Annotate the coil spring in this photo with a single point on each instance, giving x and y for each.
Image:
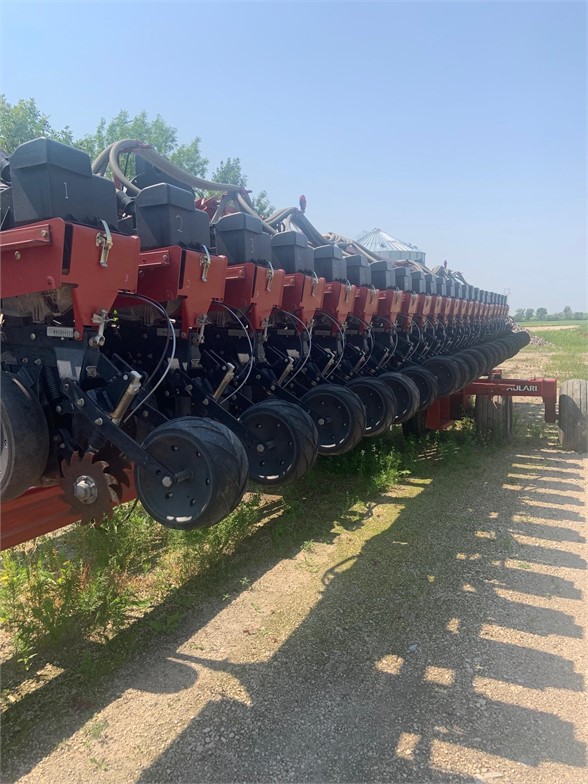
(51, 383)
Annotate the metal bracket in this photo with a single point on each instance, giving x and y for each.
(104, 241)
(205, 263)
(102, 320)
(314, 284)
(269, 276)
(347, 290)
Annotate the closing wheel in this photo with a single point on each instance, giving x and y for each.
(339, 416)
(283, 442)
(493, 417)
(573, 415)
(379, 402)
(212, 465)
(415, 427)
(426, 383)
(406, 393)
(24, 442)
(447, 372)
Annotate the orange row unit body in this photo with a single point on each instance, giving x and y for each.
(255, 291)
(367, 300)
(303, 295)
(46, 256)
(194, 279)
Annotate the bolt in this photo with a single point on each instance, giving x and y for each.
(25, 360)
(145, 414)
(205, 401)
(167, 481)
(99, 421)
(33, 336)
(85, 489)
(59, 410)
(76, 335)
(260, 448)
(38, 362)
(125, 377)
(80, 402)
(65, 387)
(17, 254)
(44, 232)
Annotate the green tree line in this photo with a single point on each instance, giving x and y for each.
(541, 314)
(23, 120)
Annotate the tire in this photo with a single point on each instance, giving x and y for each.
(447, 372)
(379, 402)
(339, 416)
(415, 426)
(218, 481)
(24, 445)
(573, 415)
(426, 384)
(406, 393)
(471, 366)
(493, 417)
(290, 440)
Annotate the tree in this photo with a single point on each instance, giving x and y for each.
(541, 314)
(230, 171)
(568, 312)
(23, 121)
(529, 313)
(519, 315)
(156, 132)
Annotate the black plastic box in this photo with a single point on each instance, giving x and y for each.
(329, 263)
(291, 252)
(165, 215)
(6, 210)
(240, 237)
(383, 274)
(358, 270)
(429, 283)
(101, 204)
(440, 286)
(50, 180)
(418, 282)
(403, 278)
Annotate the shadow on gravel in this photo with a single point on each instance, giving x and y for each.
(386, 673)
(385, 676)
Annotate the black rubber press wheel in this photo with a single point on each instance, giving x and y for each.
(213, 467)
(406, 393)
(24, 438)
(426, 383)
(379, 402)
(339, 416)
(283, 442)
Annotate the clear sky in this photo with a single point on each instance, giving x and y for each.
(459, 127)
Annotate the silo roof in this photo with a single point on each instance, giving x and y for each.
(377, 241)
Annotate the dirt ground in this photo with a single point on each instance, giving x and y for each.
(439, 639)
(550, 327)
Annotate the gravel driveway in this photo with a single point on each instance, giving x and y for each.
(439, 636)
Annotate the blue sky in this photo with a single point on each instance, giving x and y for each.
(459, 127)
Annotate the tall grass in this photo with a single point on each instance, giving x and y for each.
(567, 350)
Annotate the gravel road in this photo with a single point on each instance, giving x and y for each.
(439, 639)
